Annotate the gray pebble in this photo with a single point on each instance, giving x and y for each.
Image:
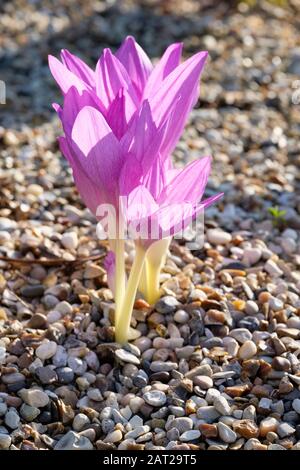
(73, 441)
(155, 398)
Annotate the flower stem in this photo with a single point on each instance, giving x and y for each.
(120, 277)
(155, 259)
(123, 323)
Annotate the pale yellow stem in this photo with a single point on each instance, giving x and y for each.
(123, 323)
(155, 259)
(120, 277)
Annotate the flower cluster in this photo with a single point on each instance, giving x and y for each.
(121, 123)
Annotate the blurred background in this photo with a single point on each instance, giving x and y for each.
(248, 116)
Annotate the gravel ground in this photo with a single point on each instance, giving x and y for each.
(215, 364)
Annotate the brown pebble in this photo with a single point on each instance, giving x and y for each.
(264, 297)
(141, 304)
(214, 317)
(268, 425)
(246, 428)
(208, 430)
(37, 321)
(281, 363)
(238, 390)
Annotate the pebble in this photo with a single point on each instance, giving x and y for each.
(183, 424)
(125, 356)
(275, 304)
(225, 433)
(70, 240)
(296, 405)
(285, 430)
(34, 397)
(12, 419)
(203, 381)
(281, 363)
(208, 413)
(268, 425)
(5, 441)
(189, 436)
(80, 421)
(272, 269)
(60, 357)
(65, 375)
(155, 398)
(29, 413)
(218, 237)
(77, 365)
(114, 436)
(73, 441)
(247, 350)
(241, 335)
(181, 316)
(251, 256)
(167, 304)
(251, 307)
(3, 408)
(46, 350)
(222, 406)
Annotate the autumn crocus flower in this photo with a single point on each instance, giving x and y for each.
(121, 122)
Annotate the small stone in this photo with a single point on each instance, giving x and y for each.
(203, 381)
(225, 433)
(208, 413)
(69, 240)
(155, 398)
(241, 335)
(77, 365)
(60, 357)
(46, 375)
(34, 397)
(12, 419)
(275, 304)
(64, 308)
(92, 271)
(246, 428)
(218, 237)
(247, 350)
(5, 441)
(167, 304)
(73, 441)
(126, 356)
(209, 430)
(140, 379)
(296, 405)
(46, 350)
(222, 406)
(3, 408)
(268, 425)
(181, 316)
(189, 436)
(38, 320)
(29, 413)
(281, 363)
(272, 268)
(80, 421)
(32, 291)
(95, 394)
(251, 307)
(183, 424)
(115, 436)
(285, 430)
(251, 256)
